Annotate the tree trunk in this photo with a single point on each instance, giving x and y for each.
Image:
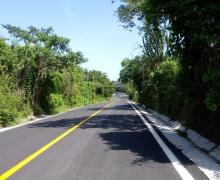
(34, 100)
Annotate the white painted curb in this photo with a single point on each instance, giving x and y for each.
(215, 153)
(197, 139)
(179, 167)
(203, 161)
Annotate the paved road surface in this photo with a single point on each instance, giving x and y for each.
(112, 145)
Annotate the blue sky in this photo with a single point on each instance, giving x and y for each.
(91, 25)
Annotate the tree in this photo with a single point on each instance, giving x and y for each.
(188, 31)
(42, 52)
(40, 73)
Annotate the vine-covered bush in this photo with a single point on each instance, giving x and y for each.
(186, 30)
(42, 74)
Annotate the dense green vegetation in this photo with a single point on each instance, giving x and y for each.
(179, 71)
(40, 73)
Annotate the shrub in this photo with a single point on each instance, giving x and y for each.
(211, 78)
(55, 102)
(7, 117)
(165, 81)
(8, 112)
(12, 104)
(131, 91)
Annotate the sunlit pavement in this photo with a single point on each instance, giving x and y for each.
(112, 144)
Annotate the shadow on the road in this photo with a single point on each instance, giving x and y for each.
(125, 107)
(139, 143)
(114, 122)
(61, 123)
(127, 132)
(121, 130)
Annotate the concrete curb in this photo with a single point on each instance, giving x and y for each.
(203, 160)
(198, 140)
(215, 153)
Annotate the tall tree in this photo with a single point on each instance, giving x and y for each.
(187, 30)
(42, 52)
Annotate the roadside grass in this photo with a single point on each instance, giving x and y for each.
(22, 119)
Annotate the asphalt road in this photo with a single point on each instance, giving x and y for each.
(114, 144)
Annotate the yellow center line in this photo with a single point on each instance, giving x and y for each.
(24, 162)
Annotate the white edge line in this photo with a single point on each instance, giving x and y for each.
(184, 174)
(209, 173)
(40, 119)
(36, 120)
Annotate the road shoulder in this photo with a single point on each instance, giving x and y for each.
(204, 162)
